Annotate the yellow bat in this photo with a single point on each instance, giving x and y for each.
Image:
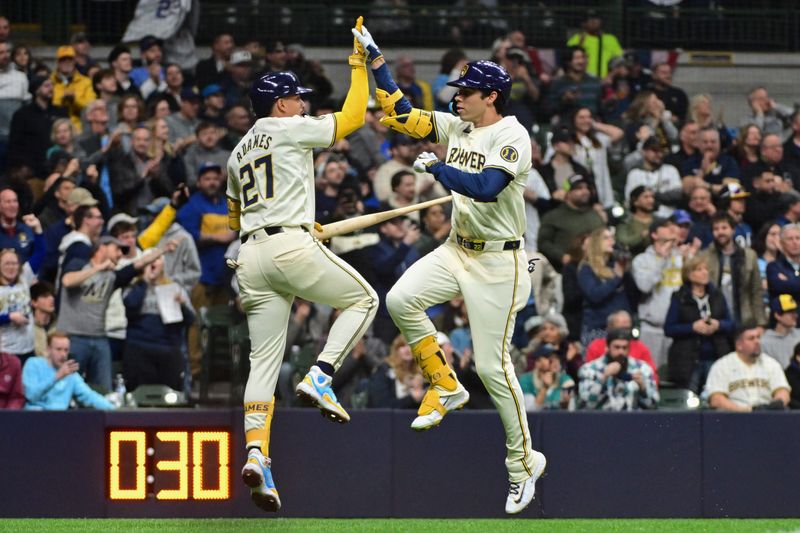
(364, 221)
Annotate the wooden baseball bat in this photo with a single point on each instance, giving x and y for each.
(352, 224)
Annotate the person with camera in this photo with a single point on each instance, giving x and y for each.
(699, 322)
(602, 277)
(616, 381)
(746, 379)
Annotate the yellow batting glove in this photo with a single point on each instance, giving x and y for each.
(318, 227)
(359, 57)
(418, 123)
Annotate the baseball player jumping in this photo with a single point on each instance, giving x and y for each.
(271, 201)
(486, 168)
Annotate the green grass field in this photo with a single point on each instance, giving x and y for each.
(312, 525)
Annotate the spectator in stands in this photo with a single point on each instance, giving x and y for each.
(86, 288)
(404, 193)
(121, 62)
(182, 124)
(699, 323)
(771, 158)
(545, 386)
(398, 382)
(734, 270)
(646, 117)
(416, 90)
(525, 91)
(63, 137)
(562, 225)
(709, 164)
(793, 378)
(591, 150)
(151, 53)
(82, 47)
(791, 148)
(13, 93)
(392, 256)
(701, 209)
(204, 150)
(436, 228)
(77, 244)
(130, 114)
(783, 274)
(161, 148)
(766, 203)
(71, 89)
(575, 89)
(790, 208)
(745, 150)
(701, 111)
(169, 89)
(12, 393)
(767, 244)
(449, 69)
(747, 379)
(688, 144)
(602, 277)
(663, 179)
(572, 306)
(365, 144)
(769, 116)
(599, 47)
(153, 353)
(236, 85)
(404, 151)
(780, 340)
(51, 382)
(637, 349)
(22, 234)
(136, 177)
(205, 217)
(213, 69)
(213, 105)
(617, 381)
(634, 232)
(239, 121)
(310, 72)
(561, 165)
(328, 185)
(183, 265)
(29, 134)
(732, 201)
(69, 198)
(674, 98)
(23, 61)
(16, 322)
(43, 307)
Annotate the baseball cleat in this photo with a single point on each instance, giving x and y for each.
(257, 475)
(520, 494)
(316, 389)
(434, 407)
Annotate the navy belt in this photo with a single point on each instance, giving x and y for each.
(269, 231)
(480, 246)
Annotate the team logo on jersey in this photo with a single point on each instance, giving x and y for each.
(509, 153)
(464, 70)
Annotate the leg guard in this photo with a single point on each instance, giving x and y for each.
(257, 423)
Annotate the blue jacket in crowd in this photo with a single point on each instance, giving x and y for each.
(207, 215)
(44, 392)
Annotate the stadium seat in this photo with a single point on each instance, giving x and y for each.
(225, 343)
(678, 400)
(159, 396)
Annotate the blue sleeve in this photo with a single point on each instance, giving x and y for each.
(595, 290)
(36, 382)
(79, 251)
(780, 286)
(384, 80)
(385, 257)
(124, 276)
(673, 328)
(134, 299)
(483, 186)
(86, 396)
(187, 217)
(39, 249)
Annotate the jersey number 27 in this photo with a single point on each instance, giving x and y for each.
(247, 174)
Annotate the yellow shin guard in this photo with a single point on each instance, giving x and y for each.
(430, 358)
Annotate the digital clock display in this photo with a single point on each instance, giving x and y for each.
(168, 464)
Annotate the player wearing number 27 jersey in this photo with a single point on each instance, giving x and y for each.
(486, 167)
(271, 202)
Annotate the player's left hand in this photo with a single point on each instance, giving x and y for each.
(368, 43)
(424, 161)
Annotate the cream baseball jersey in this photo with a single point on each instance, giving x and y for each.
(504, 145)
(271, 170)
(746, 384)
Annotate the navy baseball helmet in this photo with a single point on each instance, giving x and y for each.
(272, 86)
(484, 75)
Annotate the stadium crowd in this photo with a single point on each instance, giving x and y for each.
(665, 244)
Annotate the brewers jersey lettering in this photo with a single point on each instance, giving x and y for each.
(492, 276)
(504, 145)
(746, 384)
(271, 170)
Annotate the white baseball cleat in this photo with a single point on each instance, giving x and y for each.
(520, 494)
(434, 407)
(257, 475)
(316, 389)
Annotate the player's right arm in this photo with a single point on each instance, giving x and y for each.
(354, 109)
(232, 197)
